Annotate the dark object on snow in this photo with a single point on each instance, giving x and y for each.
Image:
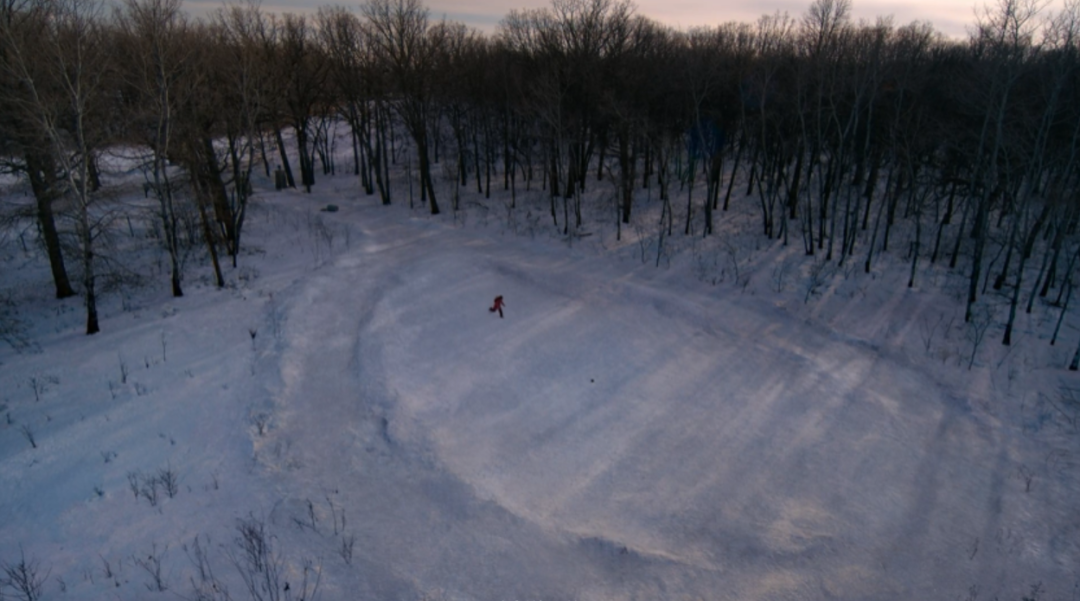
(280, 181)
(331, 208)
(498, 306)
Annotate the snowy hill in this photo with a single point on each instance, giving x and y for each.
(627, 431)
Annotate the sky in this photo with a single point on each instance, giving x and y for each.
(951, 17)
(948, 16)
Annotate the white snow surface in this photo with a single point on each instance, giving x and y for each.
(627, 431)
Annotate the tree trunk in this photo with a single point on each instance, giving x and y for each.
(627, 162)
(86, 238)
(734, 170)
(307, 161)
(284, 158)
(427, 188)
(981, 215)
(42, 172)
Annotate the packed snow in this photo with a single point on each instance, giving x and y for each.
(721, 423)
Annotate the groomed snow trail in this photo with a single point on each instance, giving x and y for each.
(614, 439)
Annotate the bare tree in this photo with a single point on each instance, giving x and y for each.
(244, 45)
(157, 55)
(1059, 67)
(303, 67)
(1004, 34)
(20, 23)
(357, 85)
(405, 45)
(25, 578)
(63, 72)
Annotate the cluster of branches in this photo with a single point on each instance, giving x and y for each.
(838, 129)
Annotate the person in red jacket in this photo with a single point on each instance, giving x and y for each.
(498, 306)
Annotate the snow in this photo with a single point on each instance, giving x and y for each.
(626, 432)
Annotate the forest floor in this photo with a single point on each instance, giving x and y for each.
(731, 421)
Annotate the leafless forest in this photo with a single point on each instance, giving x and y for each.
(850, 139)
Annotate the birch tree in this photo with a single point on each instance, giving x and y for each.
(63, 72)
(21, 23)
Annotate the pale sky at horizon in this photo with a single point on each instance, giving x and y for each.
(950, 17)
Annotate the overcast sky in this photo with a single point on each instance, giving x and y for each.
(948, 16)
(951, 17)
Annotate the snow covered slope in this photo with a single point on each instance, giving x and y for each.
(625, 432)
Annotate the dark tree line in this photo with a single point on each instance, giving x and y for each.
(835, 131)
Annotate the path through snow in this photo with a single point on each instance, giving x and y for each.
(616, 439)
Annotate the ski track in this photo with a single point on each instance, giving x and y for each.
(615, 437)
(613, 440)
